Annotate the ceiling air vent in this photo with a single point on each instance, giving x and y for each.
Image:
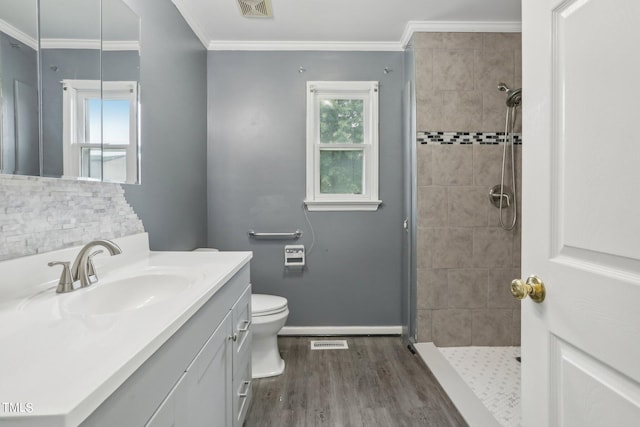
(255, 8)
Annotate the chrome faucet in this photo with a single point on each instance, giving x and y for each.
(83, 268)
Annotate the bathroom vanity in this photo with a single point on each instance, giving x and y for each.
(162, 339)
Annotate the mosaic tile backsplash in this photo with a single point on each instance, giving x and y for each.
(43, 214)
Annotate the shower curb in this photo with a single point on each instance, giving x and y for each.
(467, 403)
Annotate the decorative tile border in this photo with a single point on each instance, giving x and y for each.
(43, 214)
(464, 138)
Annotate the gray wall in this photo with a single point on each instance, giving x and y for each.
(256, 179)
(85, 64)
(171, 200)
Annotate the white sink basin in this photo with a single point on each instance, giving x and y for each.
(127, 293)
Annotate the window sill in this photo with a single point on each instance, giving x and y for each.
(342, 205)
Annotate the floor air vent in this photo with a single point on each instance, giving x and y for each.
(255, 8)
(329, 345)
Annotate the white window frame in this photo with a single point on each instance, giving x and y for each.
(74, 94)
(368, 92)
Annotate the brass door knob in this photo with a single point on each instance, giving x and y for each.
(534, 287)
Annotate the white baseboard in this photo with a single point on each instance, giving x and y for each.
(340, 330)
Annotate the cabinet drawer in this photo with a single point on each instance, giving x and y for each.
(242, 360)
(242, 324)
(242, 395)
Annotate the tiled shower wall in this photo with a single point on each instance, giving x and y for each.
(465, 260)
(44, 214)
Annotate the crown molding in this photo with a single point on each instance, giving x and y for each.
(458, 27)
(304, 46)
(189, 17)
(113, 45)
(19, 35)
(70, 43)
(90, 44)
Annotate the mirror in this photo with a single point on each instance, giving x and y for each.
(70, 54)
(89, 91)
(19, 129)
(120, 92)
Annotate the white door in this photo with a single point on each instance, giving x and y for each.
(581, 221)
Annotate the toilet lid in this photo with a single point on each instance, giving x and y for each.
(263, 305)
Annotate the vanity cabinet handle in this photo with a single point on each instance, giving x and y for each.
(233, 337)
(245, 393)
(246, 327)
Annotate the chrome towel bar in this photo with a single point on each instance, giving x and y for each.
(275, 236)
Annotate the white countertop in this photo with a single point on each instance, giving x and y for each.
(59, 366)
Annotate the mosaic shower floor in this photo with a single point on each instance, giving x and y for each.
(493, 373)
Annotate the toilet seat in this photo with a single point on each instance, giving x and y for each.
(266, 305)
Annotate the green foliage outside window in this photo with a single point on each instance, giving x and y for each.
(341, 172)
(341, 121)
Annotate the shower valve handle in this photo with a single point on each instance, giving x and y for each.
(505, 196)
(495, 195)
(533, 287)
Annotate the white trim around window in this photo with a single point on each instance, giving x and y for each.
(364, 193)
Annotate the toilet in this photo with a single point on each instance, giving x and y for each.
(268, 315)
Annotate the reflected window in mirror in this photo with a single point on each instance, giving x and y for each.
(120, 132)
(100, 133)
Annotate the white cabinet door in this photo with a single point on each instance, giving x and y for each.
(209, 381)
(581, 220)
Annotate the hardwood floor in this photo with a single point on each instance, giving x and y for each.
(376, 382)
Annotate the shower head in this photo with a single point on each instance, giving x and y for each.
(514, 96)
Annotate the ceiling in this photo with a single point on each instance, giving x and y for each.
(296, 24)
(368, 24)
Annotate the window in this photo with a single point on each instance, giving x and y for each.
(342, 146)
(100, 132)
